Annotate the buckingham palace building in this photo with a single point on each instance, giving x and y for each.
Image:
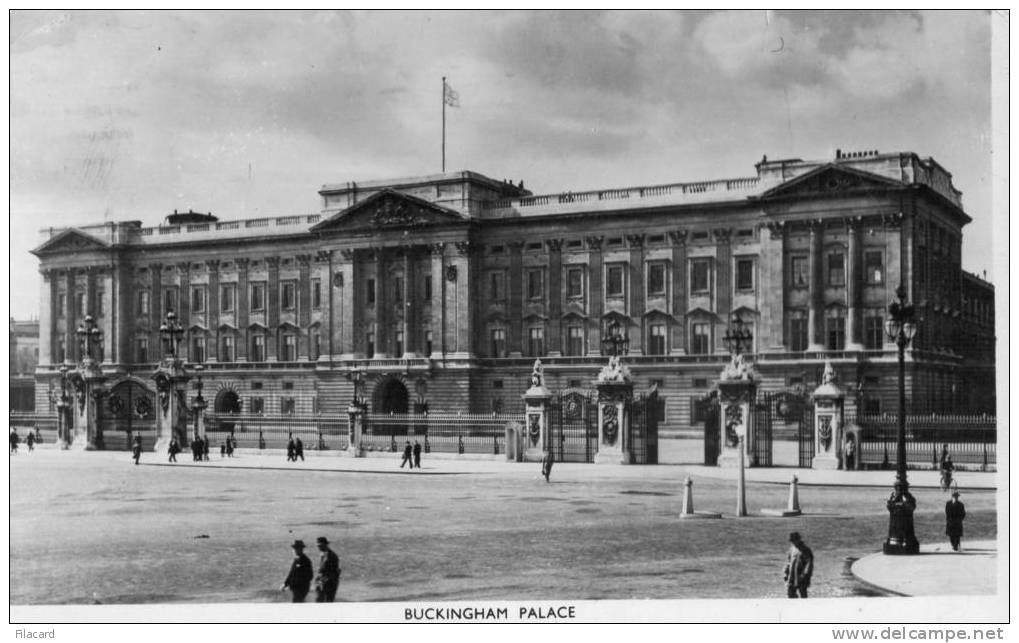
(441, 290)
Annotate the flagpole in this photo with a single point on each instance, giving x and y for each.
(443, 124)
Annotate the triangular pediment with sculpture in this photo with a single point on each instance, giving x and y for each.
(390, 209)
(71, 240)
(830, 180)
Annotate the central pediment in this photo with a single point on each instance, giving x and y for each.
(830, 180)
(390, 209)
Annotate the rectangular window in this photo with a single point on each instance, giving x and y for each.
(428, 342)
(227, 297)
(369, 293)
(699, 275)
(398, 349)
(575, 282)
(614, 281)
(700, 339)
(143, 302)
(496, 291)
(257, 348)
(226, 352)
(141, 350)
(287, 405)
(258, 405)
(836, 269)
(100, 309)
(498, 342)
(744, 274)
(61, 350)
(314, 344)
(575, 341)
(289, 352)
(369, 349)
(874, 267)
(428, 288)
(836, 330)
(872, 406)
(258, 296)
(800, 270)
(316, 293)
(62, 305)
(169, 300)
(656, 341)
(536, 341)
(197, 349)
(798, 331)
(656, 279)
(198, 299)
(79, 304)
(288, 295)
(535, 285)
(873, 332)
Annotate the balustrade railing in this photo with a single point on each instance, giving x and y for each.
(971, 440)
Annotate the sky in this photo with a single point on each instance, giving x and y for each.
(131, 115)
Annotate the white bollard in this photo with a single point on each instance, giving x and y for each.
(741, 486)
(794, 496)
(687, 497)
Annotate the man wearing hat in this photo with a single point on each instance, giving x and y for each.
(955, 512)
(799, 567)
(328, 578)
(299, 578)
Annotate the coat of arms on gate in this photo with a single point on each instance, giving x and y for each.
(610, 424)
(534, 428)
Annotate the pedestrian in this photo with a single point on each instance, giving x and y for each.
(328, 578)
(946, 472)
(407, 455)
(417, 454)
(850, 453)
(14, 441)
(546, 465)
(955, 513)
(136, 450)
(799, 567)
(205, 449)
(231, 443)
(291, 450)
(30, 441)
(298, 449)
(174, 448)
(299, 578)
(195, 449)
(222, 450)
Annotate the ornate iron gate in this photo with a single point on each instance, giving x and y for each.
(129, 408)
(573, 426)
(761, 448)
(642, 438)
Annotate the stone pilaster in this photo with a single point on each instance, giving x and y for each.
(679, 284)
(465, 299)
(555, 296)
(47, 297)
(70, 323)
(723, 280)
(272, 308)
(243, 308)
(772, 286)
(303, 303)
(596, 294)
(635, 290)
(815, 313)
(103, 285)
(155, 310)
(212, 307)
(854, 287)
(347, 304)
(438, 322)
(516, 293)
(407, 304)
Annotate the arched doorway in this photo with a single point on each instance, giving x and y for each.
(390, 397)
(227, 404)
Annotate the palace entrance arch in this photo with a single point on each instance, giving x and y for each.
(390, 396)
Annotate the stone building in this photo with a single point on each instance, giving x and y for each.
(24, 356)
(444, 289)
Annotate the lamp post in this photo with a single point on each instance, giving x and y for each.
(901, 328)
(172, 333)
(90, 339)
(62, 406)
(737, 337)
(616, 341)
(357, 377)
(199, 403)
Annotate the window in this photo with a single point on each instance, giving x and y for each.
(258, 405)
(258, 296)
(197, 349)
(835, 321)
(256, 386)
(198, 299)
(369, 340)
(370, 292)
(428, 342)
(536, 341)
(872, 406)
(496, 383)
(62, 305)
(574, 340)
(498, 342)
(141, 350)
(800, 271)
(316, 293)
(797, 330)
(656, 340)
(100, 309)
(575, 282)
(79, 304)
(699, 275)
(398, 348)
(143, 302)
(227, 295)
(614, 281)
(258, 348)
(289, 348)
(699, 382)
(287, 405)
(874, 267)
(226, 351)
(615, 241)
(656, 279)
(288, 295)
(314, 344)
(398, 287)
(170, 299)
(836, 269)
(873, 332)
(535, 283)
(700, 339)
(61, 350)
(496, 291)
(744, 274)
(428, 287)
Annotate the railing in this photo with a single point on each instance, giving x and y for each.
(273, 431)
(971, 440)
(440, 432)
(43, 425)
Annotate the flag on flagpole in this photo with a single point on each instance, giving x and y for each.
(450, 96)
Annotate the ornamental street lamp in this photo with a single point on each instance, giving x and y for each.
(172, 333)
(738, 336)
(90, 339)
(62, 406)
(357, 376)
(901, 328)
(616, 341)
(199, 403)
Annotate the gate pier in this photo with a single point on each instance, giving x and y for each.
(536, 416)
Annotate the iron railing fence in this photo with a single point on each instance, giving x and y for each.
(273, 431)
(478, 433)
(44, 425)
(971, 440)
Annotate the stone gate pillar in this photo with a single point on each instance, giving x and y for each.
(737, 389)
(615, 390)
(171, 415)
(537, 400)
(829, 415)
(355, 424)
(87, 382)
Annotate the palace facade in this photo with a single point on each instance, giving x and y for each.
(443, 289)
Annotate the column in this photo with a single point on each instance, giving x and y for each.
(679, 280)
(272, 308)
(184, 307)
(47, 295)
(635, 290)
(772, 286)
(555, 296)
(438, 322)
(303, 303)
(465, 300)
(723, 281)
(124, 321)
(815, 314)
(382, 290)
(515, 288)
(407, 303)
(212, 306)
(596, 295)
(155, 310)
(105, 277)
(241, 341)
(70, 323)
(854, 287)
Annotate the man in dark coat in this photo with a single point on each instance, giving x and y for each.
(799, 567)
(30, 440)
(407, 455)
(230, 445)
(328, 578)
(291, 450)
(299, 578)
(14, 441)
(136, 449)
(298, 449)
(546, 465)
(417, 454)
(173, 450)
(955, 513)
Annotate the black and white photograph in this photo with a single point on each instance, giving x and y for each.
(502, 317)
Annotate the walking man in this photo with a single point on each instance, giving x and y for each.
(955, 513)
(205, 449)
(298, 449)
(299, 578)
(850, 453)
(173, 450)
(407, 454)
(230, 444)
(417, 454)
(136, 450)
(14, 441)
(546, 465)
(328, 578)
(291, 450)
(30, 441)
(799, 567)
